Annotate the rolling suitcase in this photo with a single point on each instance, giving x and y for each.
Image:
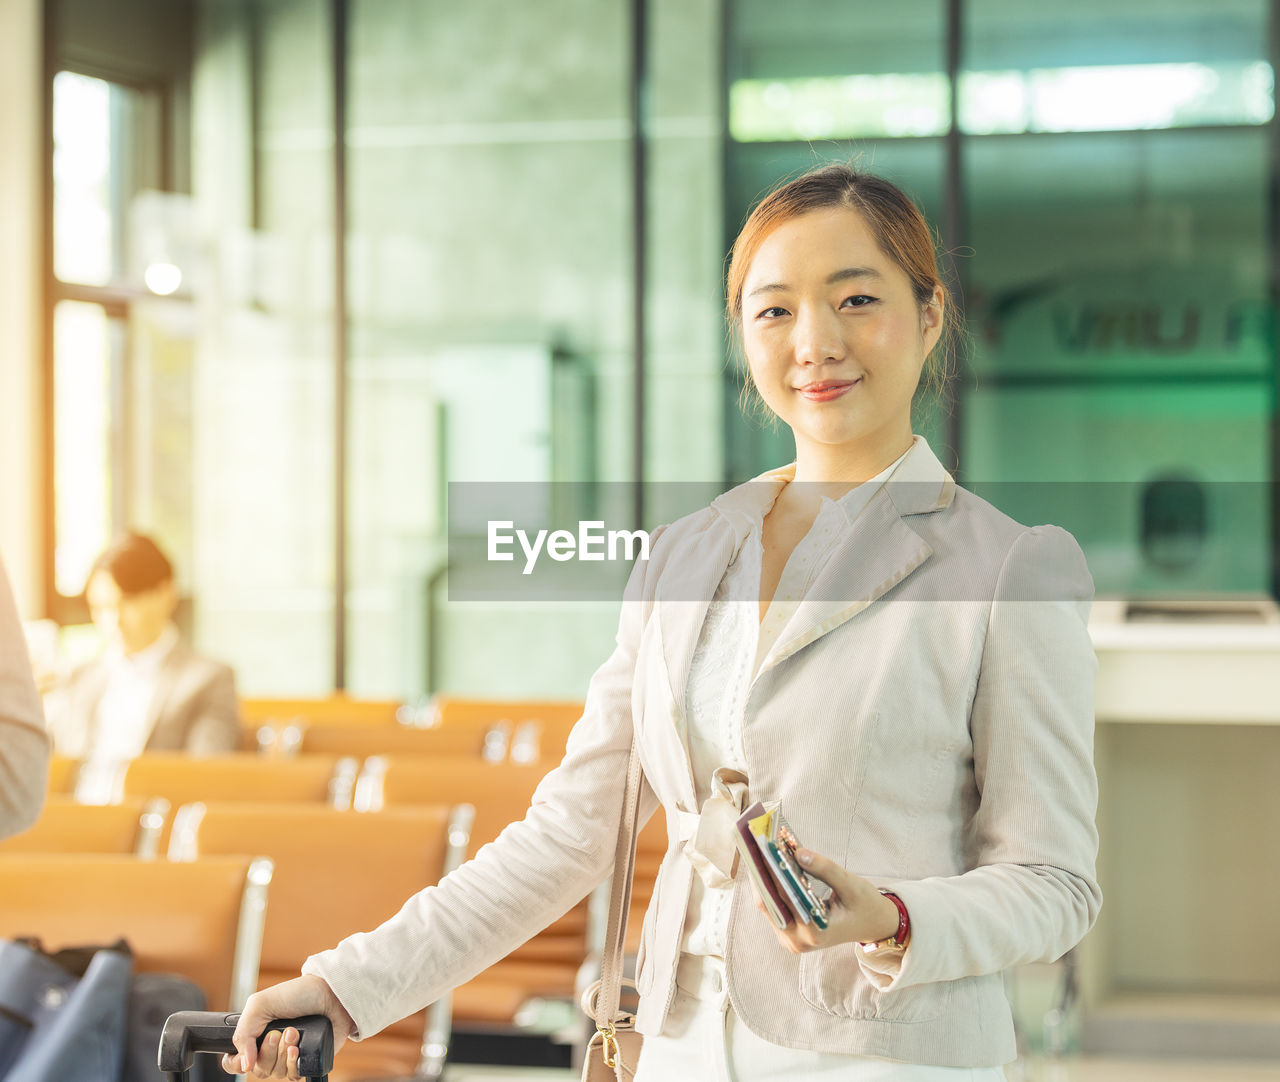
(188, 1033)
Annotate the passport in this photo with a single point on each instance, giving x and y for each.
(768, 845)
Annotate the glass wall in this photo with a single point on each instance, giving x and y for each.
(1120, 285)
(490, 259)
(490, 223)
(265, 375)
(829, 83)
(1113, 242)
(491, 228)
(1103, 195)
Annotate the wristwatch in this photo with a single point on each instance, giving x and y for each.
(899, 940)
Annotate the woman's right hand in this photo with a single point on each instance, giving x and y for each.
(279, 1056)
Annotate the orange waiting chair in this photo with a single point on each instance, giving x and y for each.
(63, 771)
(489, 735)
(337, 873)
(651, 847)
(133, 826)
(325, 710)
(241, 776)
(180, 778)
(500, 792)
(535, 729)
(492, 729)
(446, 710)
(363, 741)
(202, 920)
(548, 965)
(273, 726)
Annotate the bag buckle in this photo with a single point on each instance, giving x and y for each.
(610, 1049)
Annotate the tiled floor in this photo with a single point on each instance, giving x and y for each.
(1089, 1069)
(1074, 1070)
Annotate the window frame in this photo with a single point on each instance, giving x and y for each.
(151, 150)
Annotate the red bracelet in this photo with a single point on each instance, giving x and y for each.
(904, 921)
(898, 940)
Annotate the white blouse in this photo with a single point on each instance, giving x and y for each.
(123, 721)
(731, 646)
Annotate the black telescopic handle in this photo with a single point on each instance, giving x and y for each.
(190, 1032)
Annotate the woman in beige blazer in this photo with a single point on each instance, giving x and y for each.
(914, 682)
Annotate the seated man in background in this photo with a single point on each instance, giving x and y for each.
(148, 691)
(24, 745)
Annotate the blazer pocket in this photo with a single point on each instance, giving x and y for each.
(831, 981)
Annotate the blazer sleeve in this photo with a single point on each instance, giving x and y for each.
(532, 874)
(24, 744)
(1032, 892)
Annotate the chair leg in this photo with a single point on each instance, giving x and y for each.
(1057, 1018)
(435, 1039)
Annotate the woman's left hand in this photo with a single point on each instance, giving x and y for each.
(857, 911)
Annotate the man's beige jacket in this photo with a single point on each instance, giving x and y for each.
(24, 745)
(926, 719)
(193, 707)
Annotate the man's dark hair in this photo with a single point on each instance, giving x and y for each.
(135, 562)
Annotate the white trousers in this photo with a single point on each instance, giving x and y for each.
(706, 1042)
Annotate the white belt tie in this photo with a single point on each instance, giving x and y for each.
(708, 836)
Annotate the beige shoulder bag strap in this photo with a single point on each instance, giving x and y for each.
(614, 1049)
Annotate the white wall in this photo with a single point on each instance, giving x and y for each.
(20, 217)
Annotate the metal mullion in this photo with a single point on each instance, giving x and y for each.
(339, 14)
(120, 428)
(1037, 380)
(254, 93)
(1273, 235)
(731, 416)
(638, 72)
(955, 225)
(847, 140)
(121, 172)
(48, 524)
(1125, 132)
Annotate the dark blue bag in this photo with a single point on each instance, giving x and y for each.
(63, 1016)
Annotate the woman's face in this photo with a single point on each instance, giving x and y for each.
(834, 336)
(131, 621)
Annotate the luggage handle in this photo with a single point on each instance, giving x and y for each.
(189, 1032)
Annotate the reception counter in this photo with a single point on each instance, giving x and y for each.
(1185, 958)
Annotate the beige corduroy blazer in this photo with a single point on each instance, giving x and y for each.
(926, 719)
(194, 706)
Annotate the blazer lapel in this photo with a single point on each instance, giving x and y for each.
(877, 552)
(166, 682)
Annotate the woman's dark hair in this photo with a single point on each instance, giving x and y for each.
(136, 564)
(894, 220)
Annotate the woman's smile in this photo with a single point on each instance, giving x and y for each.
(827, 389)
